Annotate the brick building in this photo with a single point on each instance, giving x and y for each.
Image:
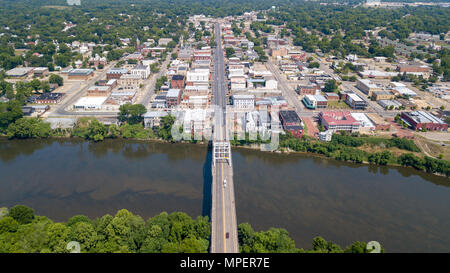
(177, 82)
(291, 122)
(419, 120)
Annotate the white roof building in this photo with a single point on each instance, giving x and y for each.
(90, 103)
(198, 75)
(404, 91)
(365, 122)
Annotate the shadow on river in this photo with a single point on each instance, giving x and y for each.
(403, 209)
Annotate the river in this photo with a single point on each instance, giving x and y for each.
(403, 209)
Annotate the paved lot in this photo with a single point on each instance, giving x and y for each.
(312, 127)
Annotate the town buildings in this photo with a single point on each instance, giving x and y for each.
(81, 74)
(291, 122)
(241, 102)
(339, 121)
(315, 101)
(421, 120)
(49, 98)
(115, 73)
(356, 102)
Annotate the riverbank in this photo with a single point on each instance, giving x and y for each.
(352, 148)
(348, 153)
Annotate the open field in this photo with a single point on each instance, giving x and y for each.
(338, 105)
(432, 148)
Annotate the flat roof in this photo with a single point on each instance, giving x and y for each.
(155, 114)
(355, 97)
(173, 92)
(117, 70)
(388, 103)
(40, 69)
(177, 77)
(363, 119)
(19, 71)
(90, 101)
(140, 67)
(290, 116)
(81, 71)
(243, 96)
(405, 91)
(423, 117)
(101, 88)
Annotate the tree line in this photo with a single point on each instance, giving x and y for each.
(345, 149)
(21, 231)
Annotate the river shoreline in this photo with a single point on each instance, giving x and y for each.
(254, 147)
(307, 194)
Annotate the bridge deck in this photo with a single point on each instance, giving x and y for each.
(224, 237)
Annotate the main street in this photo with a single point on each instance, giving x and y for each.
(288, 92)
(224, 237)
(150, 83)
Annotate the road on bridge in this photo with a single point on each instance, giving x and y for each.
(224, 237)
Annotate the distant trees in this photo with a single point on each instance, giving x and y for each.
(313, 65)
(160, 82)
(56, 79)
(277, 240)
(344, 147)
(229, 51)
(331, 86)
(154, 68)
(29, 128)
(132, 113)
(92, 129)
(114, 54)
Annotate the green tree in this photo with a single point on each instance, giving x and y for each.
(8, 224)
(132, 113)
(330, 86)
(29, 128)
(22, 214)
(56, 79)
(9, 112)
(229, 51)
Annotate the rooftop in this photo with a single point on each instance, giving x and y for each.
(355, 97)
(178, 77)
(173, 93)
(339, 118)
(423, 117)
(81, 71)
(290, 116)
(117, 70)
(90, 101)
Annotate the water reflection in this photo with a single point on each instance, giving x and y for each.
(307, 195)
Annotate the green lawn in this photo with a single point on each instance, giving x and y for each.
(337, 105)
